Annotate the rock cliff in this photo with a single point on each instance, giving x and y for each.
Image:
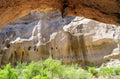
(107, 11)
(71, 40)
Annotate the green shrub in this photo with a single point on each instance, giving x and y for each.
(106, 71)
(54, 69)
(93, 71)
(8, 73)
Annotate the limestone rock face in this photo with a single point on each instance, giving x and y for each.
(107, 11)
(71, 40)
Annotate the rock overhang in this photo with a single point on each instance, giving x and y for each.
(107, 11)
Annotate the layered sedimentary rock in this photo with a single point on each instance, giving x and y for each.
(71, 40)
(107, 11)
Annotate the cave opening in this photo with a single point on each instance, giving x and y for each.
(32, 29)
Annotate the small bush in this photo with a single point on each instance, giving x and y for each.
(93, 71)
(53, 69)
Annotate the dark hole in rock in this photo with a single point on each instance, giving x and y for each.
(52, 55)
(65, 5)
(26, 23)
(56, 48)
(75, 12)
(22, 56)
(29, 47)
(15, 52)
(22, 52)
(8, 46)
(51, 48)
(10, 59)
(34, 48)
(37, 50)
(117, 14)
(94, 18)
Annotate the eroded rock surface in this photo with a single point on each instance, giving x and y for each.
(107, 11)
(71, 40)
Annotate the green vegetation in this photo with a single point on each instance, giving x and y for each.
(53, 69)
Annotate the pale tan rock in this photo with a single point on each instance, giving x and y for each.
(39, 35)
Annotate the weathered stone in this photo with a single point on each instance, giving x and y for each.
(71, 40)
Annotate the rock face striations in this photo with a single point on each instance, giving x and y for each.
(107, 11)
(71, 40)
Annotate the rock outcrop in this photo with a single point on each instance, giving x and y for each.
(71, 40)
(107, 11)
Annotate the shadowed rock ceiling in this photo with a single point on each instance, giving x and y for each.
(107, 11)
